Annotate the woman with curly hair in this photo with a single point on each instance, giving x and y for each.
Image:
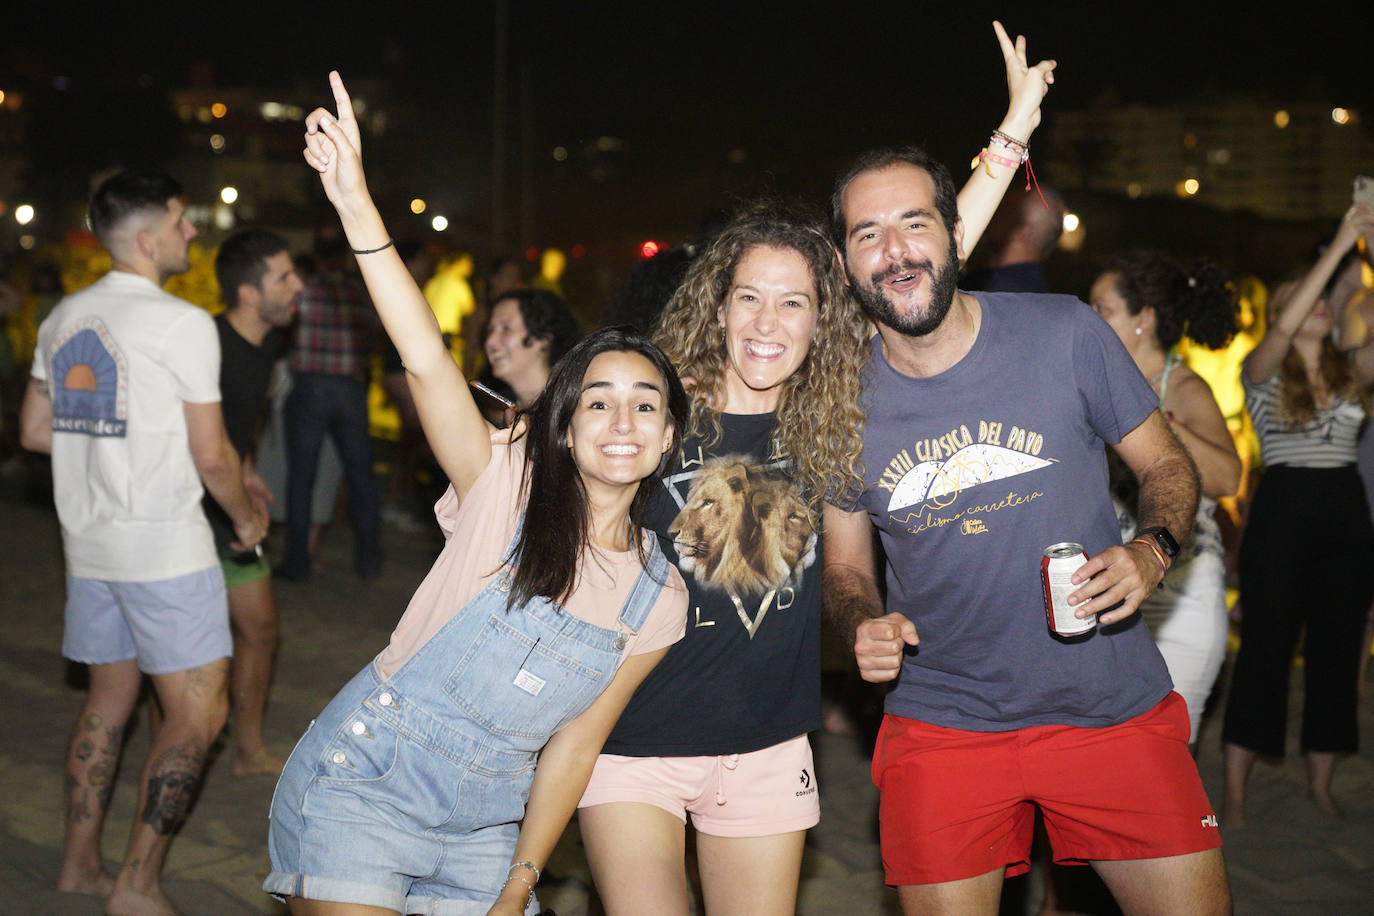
(1304, 560)
(1151, 302)
(763, 331)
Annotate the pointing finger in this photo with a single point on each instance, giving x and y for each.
(341, 97)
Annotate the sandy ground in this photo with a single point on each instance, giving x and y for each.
(1292, 860)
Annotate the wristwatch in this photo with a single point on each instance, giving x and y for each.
(1163, 540)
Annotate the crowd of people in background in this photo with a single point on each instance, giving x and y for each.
(780, 395)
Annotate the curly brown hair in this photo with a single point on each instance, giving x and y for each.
(820, 424)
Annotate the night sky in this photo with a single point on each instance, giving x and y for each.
(714, 102)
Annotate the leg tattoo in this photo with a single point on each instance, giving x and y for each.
(91, 768)
(172, 783)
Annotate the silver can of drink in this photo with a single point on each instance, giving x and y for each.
(1058, 564)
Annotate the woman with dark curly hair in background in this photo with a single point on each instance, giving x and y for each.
(1304, 561)
(1151, 302)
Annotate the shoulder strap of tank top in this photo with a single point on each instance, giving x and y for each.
(1173, 360)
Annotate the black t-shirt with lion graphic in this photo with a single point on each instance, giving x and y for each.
(746, 675)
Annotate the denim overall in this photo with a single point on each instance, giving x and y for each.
(408, 793)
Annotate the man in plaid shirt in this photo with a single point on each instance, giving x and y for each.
(329, 366)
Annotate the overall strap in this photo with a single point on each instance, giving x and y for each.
(647, 587)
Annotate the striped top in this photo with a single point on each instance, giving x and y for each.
(1326, 441)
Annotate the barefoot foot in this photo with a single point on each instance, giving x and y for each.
(260, 763)
(125, 901)
(97, 883)
(1327, 804)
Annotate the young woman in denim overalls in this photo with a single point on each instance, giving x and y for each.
(439, 779)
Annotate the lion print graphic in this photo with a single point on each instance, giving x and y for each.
(744, 531)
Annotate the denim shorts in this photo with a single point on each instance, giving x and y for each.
(168, 625)
(376, 824)
(407, 793)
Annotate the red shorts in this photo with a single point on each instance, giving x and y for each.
(958, 804)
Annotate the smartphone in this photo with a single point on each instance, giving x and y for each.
(499, 411)
(491, 396)
(1363, 195)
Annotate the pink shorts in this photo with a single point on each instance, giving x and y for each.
(761, 793)
(957, 804)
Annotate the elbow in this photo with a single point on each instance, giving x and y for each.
(35, 441)
(1227, 482)
(212, 464)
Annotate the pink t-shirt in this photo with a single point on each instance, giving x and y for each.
(479, 530)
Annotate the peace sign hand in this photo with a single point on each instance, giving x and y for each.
(1026, 85)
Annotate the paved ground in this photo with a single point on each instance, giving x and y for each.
(1293, 860)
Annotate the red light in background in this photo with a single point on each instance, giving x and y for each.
(579, 251)
(648, 249)
(531, 254)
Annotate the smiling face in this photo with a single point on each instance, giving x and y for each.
(621, 426)
(513, 354)
(769, 318)
(902, 260)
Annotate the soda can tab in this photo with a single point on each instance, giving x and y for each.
(1056, 567)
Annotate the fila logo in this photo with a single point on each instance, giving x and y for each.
(1209, 820)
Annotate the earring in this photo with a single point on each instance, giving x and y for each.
(1137, 332)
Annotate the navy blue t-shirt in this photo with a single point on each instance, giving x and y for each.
(969, 476)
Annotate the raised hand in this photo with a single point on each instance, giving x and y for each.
(1026, 85)
(333, 147)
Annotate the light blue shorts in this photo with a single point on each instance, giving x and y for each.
(168, 625)
(365, 814)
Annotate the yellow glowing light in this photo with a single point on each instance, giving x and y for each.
(1340, 115)
(219, 109)
(1187, 187)
(24, 214)
(27, 242)
(1134, 190)
(1281, 119)
(417, 206)
(229, 194)
(440, 223)
(560, 153)
(217, 142)
(2, 96)
(1070, 222)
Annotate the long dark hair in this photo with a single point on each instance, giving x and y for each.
(546, 555)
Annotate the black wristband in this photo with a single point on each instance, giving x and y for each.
(389, 243)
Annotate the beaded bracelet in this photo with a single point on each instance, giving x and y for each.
(1020, 147)
(530, 865)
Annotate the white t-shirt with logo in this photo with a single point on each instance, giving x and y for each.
(120, 359)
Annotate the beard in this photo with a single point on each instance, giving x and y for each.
(944, 283)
